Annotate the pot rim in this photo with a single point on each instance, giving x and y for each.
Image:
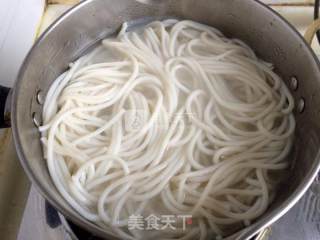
(245, 233)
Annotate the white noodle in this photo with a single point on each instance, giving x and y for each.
(174, 118)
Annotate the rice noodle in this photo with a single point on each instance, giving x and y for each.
(174, 118)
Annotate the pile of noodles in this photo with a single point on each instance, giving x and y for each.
(171, 119)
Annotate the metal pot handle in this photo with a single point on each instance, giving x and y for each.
(5, 102)
(311, 31)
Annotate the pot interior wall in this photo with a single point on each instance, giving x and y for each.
(270, 36)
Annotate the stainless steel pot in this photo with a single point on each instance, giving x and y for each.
(272, 38)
